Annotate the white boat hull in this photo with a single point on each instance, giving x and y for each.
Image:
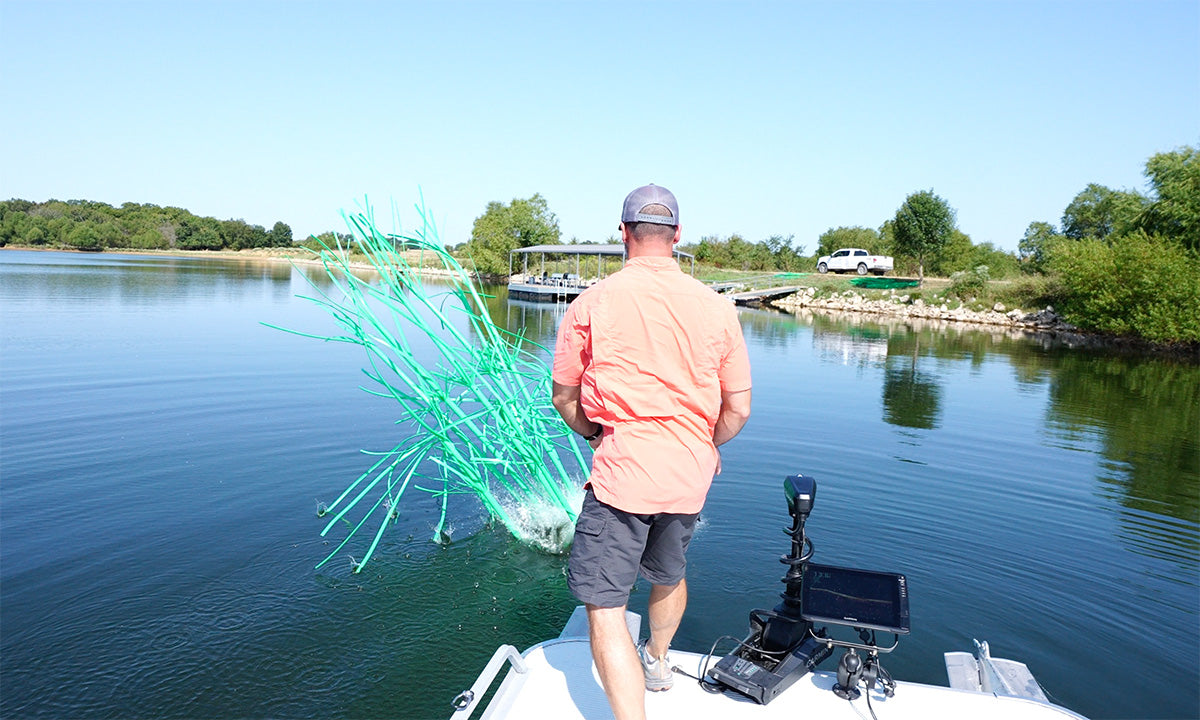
(556, 680)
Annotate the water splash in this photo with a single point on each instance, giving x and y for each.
(546, 526)
(476, 419)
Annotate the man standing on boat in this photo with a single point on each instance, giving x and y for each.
(651, 368)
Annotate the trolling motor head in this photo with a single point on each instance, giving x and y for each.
(801, 492)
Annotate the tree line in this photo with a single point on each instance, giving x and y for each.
(1120, 261)
(1123, 262)
(88, 225)
(504, 227)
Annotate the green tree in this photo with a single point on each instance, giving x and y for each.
(148, 239)
(1174, 212)
(109, 233)
(503, 228)
(774, 253)
(787, 257)
(1098, 212)
(14, 225)
(281, 235)
(957, 254)
(1000, 263)
(733, 252)
(745, 255)
(706, 250)
(1035, 246)
(849, 237)
(199, 233)
(35, 236)
(55, 227)
(83, 236)
(1143, 286)
(15, 205)
(923, 226)
(238, 234)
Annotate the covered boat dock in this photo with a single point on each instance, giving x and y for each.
(541, 285)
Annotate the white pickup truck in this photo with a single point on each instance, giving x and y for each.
(856, 259)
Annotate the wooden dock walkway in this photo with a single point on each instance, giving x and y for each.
(755, 298)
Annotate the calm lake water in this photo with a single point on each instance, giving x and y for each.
(162, 455)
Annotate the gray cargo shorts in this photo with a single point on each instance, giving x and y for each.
(611, 546)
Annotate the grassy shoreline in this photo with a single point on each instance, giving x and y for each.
(1017, 293)
(289, 255)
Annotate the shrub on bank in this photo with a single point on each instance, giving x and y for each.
(1033, 291)
(1138, 285)
(966, 284)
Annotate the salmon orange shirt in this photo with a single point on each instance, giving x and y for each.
(651, 349)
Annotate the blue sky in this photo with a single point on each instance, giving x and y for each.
(765, 118)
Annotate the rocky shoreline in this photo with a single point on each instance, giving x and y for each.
(1045, 324)
(1045, 320)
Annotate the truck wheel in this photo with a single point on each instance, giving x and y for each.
(862, 268)
(822, 268)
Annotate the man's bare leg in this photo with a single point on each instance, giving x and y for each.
(617, 662)
(667, 603)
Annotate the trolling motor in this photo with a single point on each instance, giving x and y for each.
(783, 644)
(781, 647)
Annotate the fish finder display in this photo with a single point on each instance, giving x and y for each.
(858, 598)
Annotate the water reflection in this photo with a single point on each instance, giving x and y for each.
(911, 398)
(1142, 412)
(849, 341)
(1146, 417)
(316, 274)
(537, 320)
(1145, 411)
(138, 279)
(769, 328)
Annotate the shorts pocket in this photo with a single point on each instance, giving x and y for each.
(589, 525)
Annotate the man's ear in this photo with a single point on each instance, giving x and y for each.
(678, 234)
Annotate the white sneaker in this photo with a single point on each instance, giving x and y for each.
(657, 670)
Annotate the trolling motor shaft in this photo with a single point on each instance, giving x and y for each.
(784, 628)
(801, 493)
(781, 647)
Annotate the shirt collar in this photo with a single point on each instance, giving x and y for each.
(653, 263)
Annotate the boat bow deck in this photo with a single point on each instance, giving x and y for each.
(560, 682)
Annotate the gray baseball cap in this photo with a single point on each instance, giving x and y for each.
(650, 195)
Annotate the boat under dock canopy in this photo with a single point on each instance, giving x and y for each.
(542, 285)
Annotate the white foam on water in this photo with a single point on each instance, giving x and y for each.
(543, 524)
(547, 527)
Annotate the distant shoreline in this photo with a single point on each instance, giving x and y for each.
(272, 254)
(290, 256)
(1069, 337)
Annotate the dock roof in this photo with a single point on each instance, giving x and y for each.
(586, 249)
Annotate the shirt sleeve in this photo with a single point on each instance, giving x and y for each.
(735, 365)
(571, 348)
